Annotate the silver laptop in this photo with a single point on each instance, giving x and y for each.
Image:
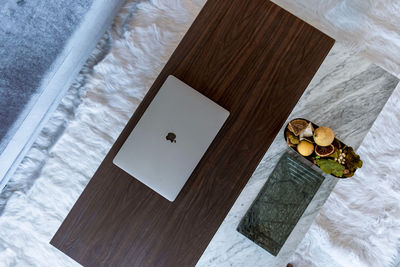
(171, 137)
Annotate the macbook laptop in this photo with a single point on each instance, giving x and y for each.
(171, 137)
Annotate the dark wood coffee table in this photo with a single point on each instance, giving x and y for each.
(252, 58)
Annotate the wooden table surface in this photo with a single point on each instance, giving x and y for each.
(252, 58)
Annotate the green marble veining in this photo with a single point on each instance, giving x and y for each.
(280, 204)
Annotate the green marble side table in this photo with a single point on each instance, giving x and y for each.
(280, 203)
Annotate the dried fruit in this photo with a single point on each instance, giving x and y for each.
(291, 139)
(305, 148)
(297, 126)
(307, 132)
(341, 156)
(324, 151)
(330, 166)
(323, 136)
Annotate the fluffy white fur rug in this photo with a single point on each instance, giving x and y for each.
(358, 226)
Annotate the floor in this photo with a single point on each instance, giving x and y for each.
(81, 130)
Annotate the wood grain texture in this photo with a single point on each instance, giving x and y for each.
(252, 58)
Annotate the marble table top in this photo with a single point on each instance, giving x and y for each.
(346, 94)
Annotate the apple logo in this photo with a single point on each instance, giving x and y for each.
(171, 137)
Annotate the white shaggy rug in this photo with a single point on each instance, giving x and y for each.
(355, 227)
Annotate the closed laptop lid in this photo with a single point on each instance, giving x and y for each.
(171, 138)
